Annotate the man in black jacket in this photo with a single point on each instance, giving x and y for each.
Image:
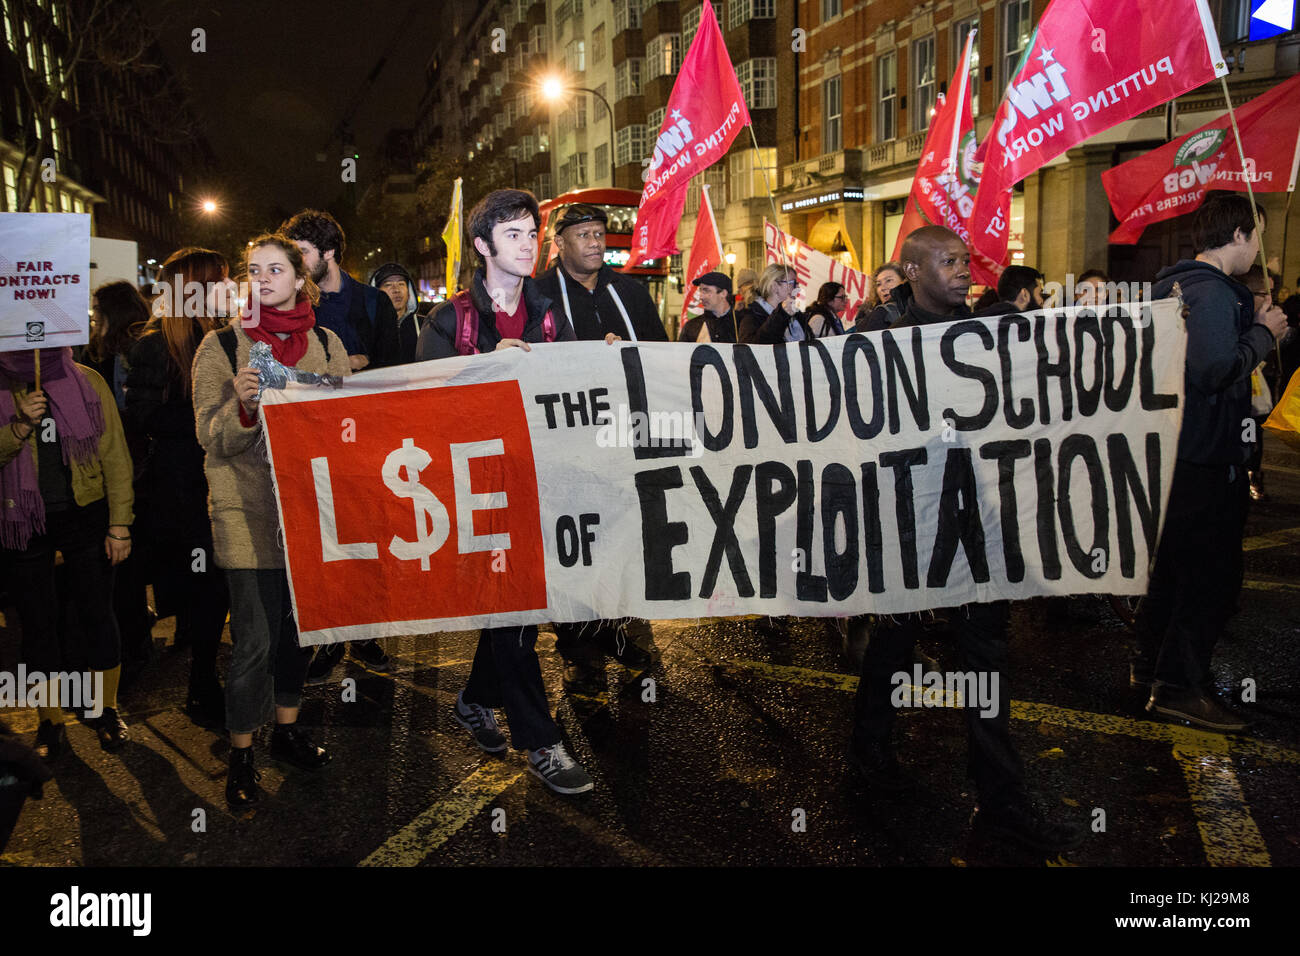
(394, 281)
(1191, 596)
(937, 265)
(505, 309)
(596, 300)
(1020, 288)
(600, 303)
(718, 318)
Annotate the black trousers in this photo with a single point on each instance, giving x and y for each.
(590, 639)
(981, 633)
(188, 567)
(78, 533)
(1197, 577)
(506, 673)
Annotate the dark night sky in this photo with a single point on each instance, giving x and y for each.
(278, 76)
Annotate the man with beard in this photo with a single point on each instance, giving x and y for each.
(936, 264)
(356, 313)
(599, 303)
(717, 323)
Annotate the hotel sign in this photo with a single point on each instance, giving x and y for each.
(816, 200)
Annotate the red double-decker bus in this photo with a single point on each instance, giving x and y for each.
(620, 206)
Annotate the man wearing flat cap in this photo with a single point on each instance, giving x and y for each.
(596, 299)
(717, 323)
(598, 302)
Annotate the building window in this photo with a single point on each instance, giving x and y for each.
(598, 44)
(887, 102)
(1017, 25)
(542, 186)
(630, 145)
(602, 159)
(663, 55)
(691, 20)
(11, 188)
(747, 172)
(830, 9)
(741, 11)
(1232, 17)
(627, 79)
(575, 56)
(758, 82)
(715, 177)
(960, 32)
(655, 122)
(832, 116)
(923, 83)
(627, 15)
(537, 38)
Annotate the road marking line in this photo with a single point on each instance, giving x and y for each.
(437, 824)
(1228, 831)
(1269, 586)
(1275, 539)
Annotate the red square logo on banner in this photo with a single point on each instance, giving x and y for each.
(409, 505)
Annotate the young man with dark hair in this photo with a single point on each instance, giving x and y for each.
(1019, 288)
(504, 308)
(602, 305)
(355, 312)
(936, 264)
(1193, 588)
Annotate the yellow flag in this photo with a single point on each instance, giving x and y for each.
(451, 237)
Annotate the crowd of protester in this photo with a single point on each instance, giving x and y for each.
(157, 479)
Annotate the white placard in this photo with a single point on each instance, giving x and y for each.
(44, 280)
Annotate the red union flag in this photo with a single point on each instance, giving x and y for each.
(1174, 179)
(706, 251)
(943, 190)
(704, 113)
(1090, 65)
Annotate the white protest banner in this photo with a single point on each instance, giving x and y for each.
(44, 280)
(913, 468)
(815, 268)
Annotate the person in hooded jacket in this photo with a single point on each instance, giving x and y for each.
(395, 282)
(1193, 587)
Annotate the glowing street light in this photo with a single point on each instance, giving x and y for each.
(553, 89)
(209, 206)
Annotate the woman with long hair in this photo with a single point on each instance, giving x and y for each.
(772, 316)
(824, 317)
(267, 667)
(197, 297)
(119, 314)
(884, 281)
(65, 481)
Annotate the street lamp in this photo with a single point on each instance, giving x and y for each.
(209, 206)
(731, 264)
(553, 89)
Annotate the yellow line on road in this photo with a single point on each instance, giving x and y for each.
(1269, 586)
(1228, 831)
(1275, 539)
(432, 828)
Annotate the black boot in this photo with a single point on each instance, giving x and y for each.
(291, 744)
(241, 780)
(205, 703)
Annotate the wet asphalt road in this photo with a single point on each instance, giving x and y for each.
(748, 725)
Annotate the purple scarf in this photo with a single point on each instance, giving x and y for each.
(78, 422)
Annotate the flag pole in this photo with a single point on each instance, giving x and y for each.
(704, 188)
(1254, 212)
(771, 197)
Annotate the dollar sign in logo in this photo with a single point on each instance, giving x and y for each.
(431, 522)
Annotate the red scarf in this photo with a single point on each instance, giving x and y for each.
(295, 321)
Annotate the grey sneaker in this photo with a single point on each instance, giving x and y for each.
(481, 722)
(558, 770)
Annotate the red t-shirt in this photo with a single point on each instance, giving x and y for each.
(512, 326)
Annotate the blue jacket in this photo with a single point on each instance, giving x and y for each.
(1224, 344)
